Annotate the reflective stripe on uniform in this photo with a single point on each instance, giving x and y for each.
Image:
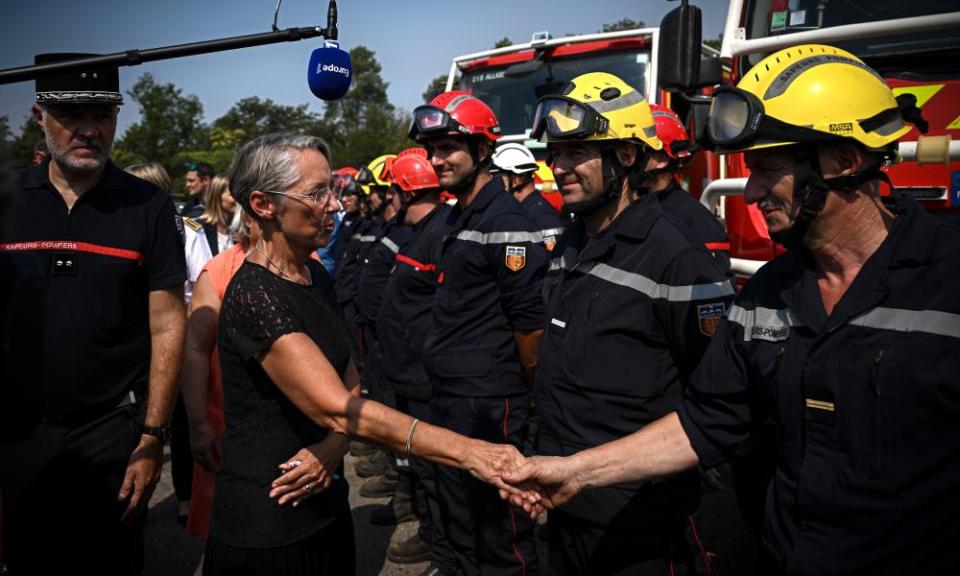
(645, 285)
(764, 323)
(928, 321)
(365, 238)
(390, 244)
(774, 325)
(654, 290)
(555, 232)
(507, 237)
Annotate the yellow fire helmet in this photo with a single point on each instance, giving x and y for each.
(376, 173)
(595, 107)
(806, 94)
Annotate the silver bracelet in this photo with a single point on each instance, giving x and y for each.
(413, 428)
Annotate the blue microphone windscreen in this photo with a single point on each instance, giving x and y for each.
(330, 72)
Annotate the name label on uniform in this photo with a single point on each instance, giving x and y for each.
(559, 323)
(766, 324)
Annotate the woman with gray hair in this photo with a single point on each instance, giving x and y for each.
(289, 382)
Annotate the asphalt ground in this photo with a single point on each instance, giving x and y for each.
(169, 552)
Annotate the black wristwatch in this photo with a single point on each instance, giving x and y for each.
(161, 433)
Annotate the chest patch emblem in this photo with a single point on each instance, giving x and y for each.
(709, 316)
(516, 258)
(549, 242)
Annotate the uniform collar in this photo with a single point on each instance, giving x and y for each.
(633, 223)
(112, 177)
(909, 244)
(670, 189)
(912, 236)
(636, 221)
(429, 216)
(490, 190)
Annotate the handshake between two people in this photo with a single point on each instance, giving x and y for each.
(534, 484)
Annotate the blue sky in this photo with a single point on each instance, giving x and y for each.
(413, 40)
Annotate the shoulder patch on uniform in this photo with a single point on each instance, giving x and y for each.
(516, 258)
(709, 316)
(549, 242)
(193, 224)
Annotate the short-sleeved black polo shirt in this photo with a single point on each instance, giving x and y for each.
(75, 331)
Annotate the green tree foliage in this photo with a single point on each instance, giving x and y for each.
(367, 91)
(4, 129)
(436, 86)
(363, 124)
(503, 43)
(21, 147)
(169, 123)
(624, 24)
(255, 117)
(715, 43)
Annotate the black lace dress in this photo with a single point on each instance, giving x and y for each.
(264, 429)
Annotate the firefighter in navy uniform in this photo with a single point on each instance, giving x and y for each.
(849, 338)
(373, 275)
(481, 350)
(365, 235)
(405, 319)
(631, 306)
(347, 190)
(516, 164)
(664, 168)
(91, 340)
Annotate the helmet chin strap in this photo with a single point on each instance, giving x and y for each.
(467, 183)
(811, 188)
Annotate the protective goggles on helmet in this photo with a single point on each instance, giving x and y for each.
(565, 118)
(429, 120)
(737, 119)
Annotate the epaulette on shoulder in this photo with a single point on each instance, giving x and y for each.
(196, 226)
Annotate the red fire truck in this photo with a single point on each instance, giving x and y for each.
(511, 79)
(914, 45)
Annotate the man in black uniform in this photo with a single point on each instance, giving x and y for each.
(516, 164)
(631, 305)
(849, 339)
(347, 190)
(92, 339)
(480, 352)
(664, 167)
(365, 235)
(405, 319)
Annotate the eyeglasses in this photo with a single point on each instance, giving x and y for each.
(319, 195)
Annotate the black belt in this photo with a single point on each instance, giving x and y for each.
(76, 418)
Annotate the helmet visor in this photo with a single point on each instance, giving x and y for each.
(734, 117)
(564, 118)
(432, 120)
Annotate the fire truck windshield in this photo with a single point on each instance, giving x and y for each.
(889, 54)
(513, 93)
